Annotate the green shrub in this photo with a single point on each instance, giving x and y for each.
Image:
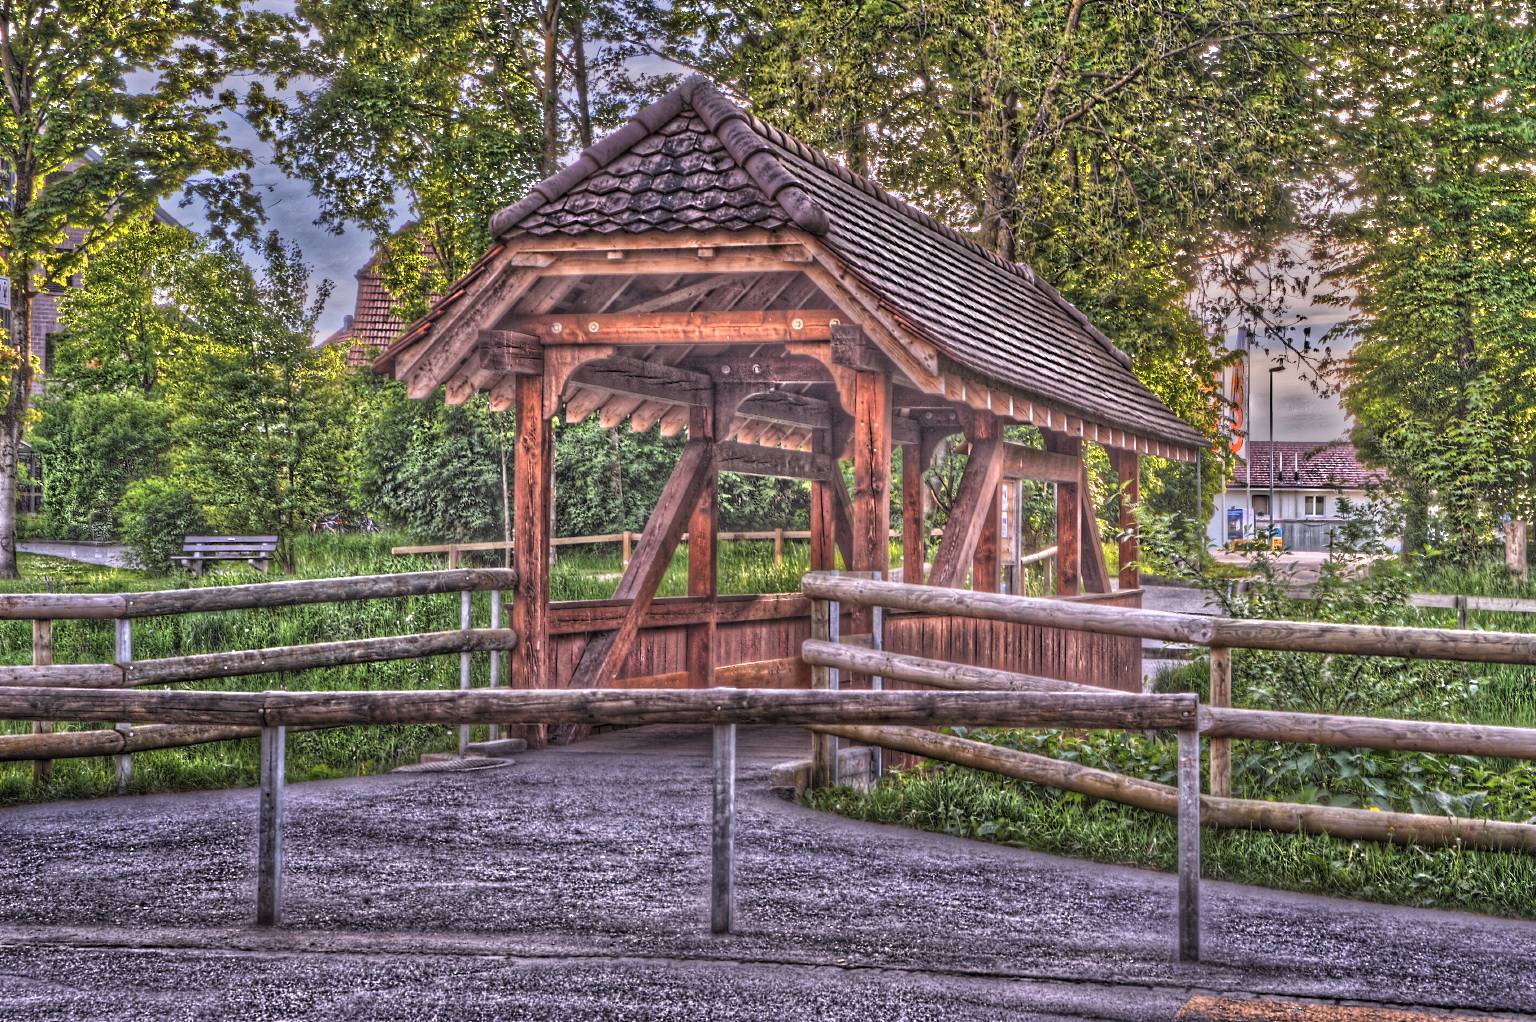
(92, 447)
(157, 515)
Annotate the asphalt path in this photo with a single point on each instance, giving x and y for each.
(573, 885)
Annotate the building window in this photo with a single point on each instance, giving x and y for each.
(1316, 507)
(1261, 503)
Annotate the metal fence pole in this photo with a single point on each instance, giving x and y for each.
(723, 832)
(876, 682)
(1189, 845)
(494, 732)
(124, 636)
(465, 609)
(269, 876)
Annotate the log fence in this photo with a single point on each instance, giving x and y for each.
(272, 714)
(1219, 723)
(43, 745)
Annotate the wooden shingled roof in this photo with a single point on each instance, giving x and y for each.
(694, 162)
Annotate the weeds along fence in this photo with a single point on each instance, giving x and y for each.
(1219, 723)
(124, 672)
(271, 714)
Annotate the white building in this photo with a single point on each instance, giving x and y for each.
(1308, 480)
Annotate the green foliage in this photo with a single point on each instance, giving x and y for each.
(123, 330)
(92, 447)
(1435, 232)
(263, 418)
(429, 468)
(156, 516)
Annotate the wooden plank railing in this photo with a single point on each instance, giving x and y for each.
(1218, 723)
(271, 713)
(42, 746)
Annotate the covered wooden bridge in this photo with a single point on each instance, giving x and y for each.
(702, 270)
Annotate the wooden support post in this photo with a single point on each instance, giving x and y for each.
(123, 634)
(825, 615)
(871, 534)
(269, 876)
(978, 486)
(1127, 465)
(778, 548)
(493, 732)
(1069, 524)
(466, 614)
(42, 655)
(532, 482)
(703, 554)
(600, 661)
(914, 544)
(823, 511)
(1221, 695)
(986, 564)
(1189, 845)
(723, 832)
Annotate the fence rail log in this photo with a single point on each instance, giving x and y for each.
(606, 706)
(82, 744)
(1231, 813)
(316, 590)
(1369, 732)
(937, 673)
(1293, 636)
(63, 676)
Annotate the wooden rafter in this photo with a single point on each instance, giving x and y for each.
(633, 377)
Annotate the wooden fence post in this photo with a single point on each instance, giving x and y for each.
(1189, 845)
(1514, 548)
(269, 876)
(1221, 695)
(778, 548)
(723, 832)
(628, 542)
(493, 732)
(1461, 612)
(825, 616)
(123, 628)
(42, 655)
(466, 609)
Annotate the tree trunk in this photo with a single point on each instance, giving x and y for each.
(578, 29)
(18, 400)
(550, 87)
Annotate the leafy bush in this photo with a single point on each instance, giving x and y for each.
(157, 514)
(92, 447)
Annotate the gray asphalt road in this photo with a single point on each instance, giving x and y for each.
(572, 885)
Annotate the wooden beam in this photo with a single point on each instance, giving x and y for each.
(982, 471)
(852, 349)
(823, 511)
(905, 431)
(871, 474)
(1069, 518)
(646, 380)
(757, 460)
(1095, 568)
(703, 551)
(787, 408)
(532, 492)
(780, 369)
(601, 659)
(750, 327)
(508, 351)
(987, 562)
(1127, 465)
(842, 517)
(688, 293)
(914, 539)
(455, 335)
(1022, 462)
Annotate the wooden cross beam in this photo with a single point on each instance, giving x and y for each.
(1095, 568)
(778, 369)
(633, 377)
(1020, 462)
(604, 654)
(787, 409)
(749, 327)
(508, 351)
(978, 486)
(756, 460)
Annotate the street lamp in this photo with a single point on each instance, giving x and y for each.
(1277, 367)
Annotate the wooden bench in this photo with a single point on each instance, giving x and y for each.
(196, 551)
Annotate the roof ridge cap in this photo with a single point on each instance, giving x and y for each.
(874, 191)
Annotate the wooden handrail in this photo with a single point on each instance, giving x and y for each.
(1116, 710)
(1199, 630)
(84, 606)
